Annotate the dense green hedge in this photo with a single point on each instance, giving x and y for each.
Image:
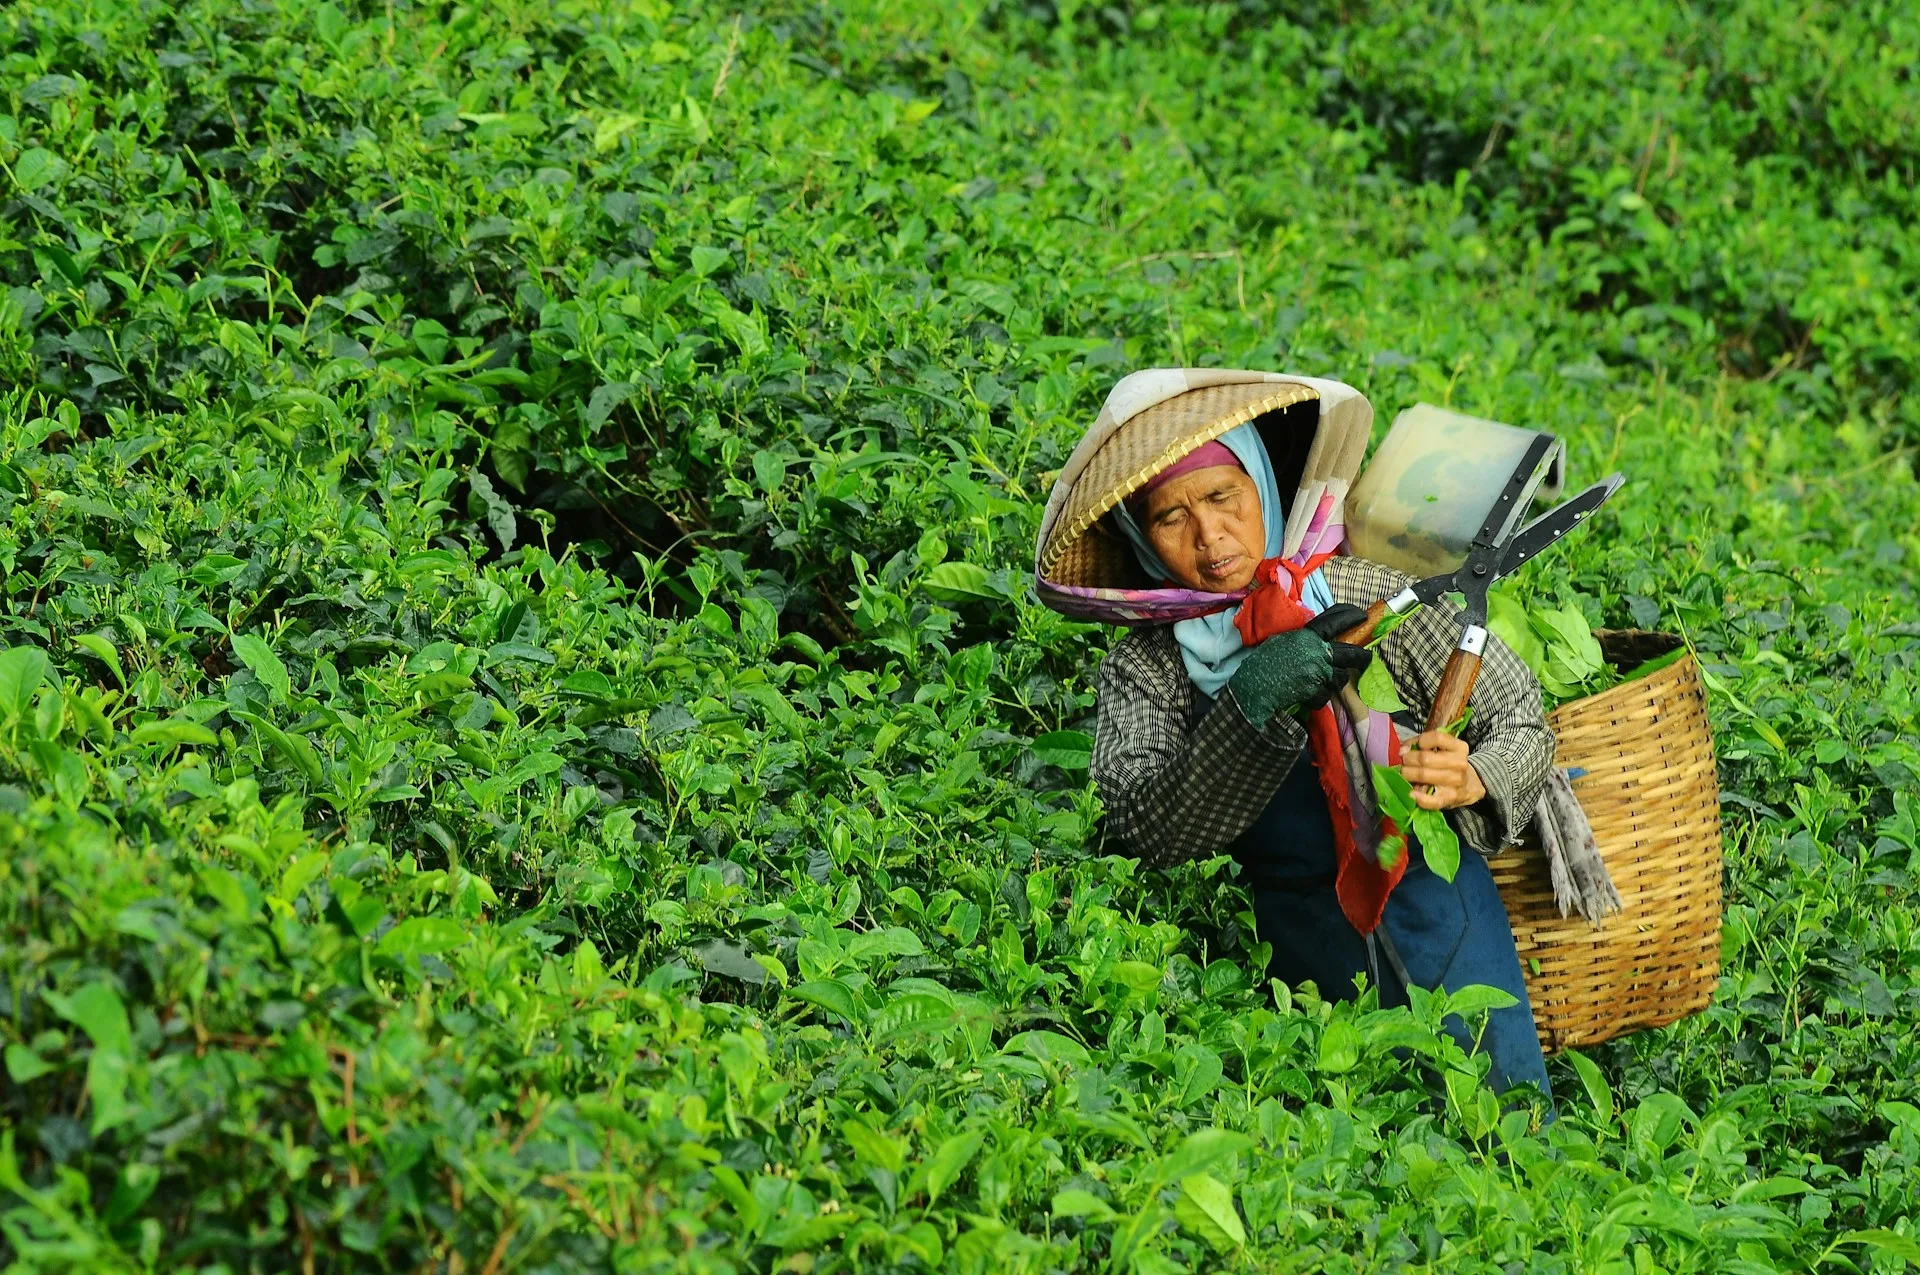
(525, 745)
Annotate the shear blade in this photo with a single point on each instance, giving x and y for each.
(1555, 523)
(1524, 545)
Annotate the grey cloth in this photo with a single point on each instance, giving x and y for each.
(1579, 875)
(1180, 783)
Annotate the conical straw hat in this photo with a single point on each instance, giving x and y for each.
(1316, 433)
(1134, 453)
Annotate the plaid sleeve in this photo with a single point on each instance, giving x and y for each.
(1172, 789)
(1509, 743)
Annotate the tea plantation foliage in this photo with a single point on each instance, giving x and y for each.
(525, 744)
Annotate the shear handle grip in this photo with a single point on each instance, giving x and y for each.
(1456, 684)
(1362, 633)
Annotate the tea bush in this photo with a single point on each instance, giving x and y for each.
(525, 743)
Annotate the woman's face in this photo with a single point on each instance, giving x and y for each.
(1206, 527)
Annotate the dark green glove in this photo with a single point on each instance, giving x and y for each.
(1299, 669)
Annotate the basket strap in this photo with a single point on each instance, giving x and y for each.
(1380, 943)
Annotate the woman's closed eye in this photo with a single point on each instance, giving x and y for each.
(1221, 498)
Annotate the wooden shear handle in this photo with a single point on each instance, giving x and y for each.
(1456, 684)
(1362, 633)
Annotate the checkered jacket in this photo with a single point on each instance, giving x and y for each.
(1180, 782)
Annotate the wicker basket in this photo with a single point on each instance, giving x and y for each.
(1651, 792)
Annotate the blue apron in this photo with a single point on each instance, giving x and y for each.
(1445, 934)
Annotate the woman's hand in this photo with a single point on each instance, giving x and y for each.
(1301, 668)
(1436, 765)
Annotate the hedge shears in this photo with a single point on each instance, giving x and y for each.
(1496, 550)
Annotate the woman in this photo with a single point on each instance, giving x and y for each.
(1207, 742)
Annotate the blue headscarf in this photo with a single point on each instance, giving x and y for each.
(1209, 644)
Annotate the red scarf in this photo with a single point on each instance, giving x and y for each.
(1361, 885)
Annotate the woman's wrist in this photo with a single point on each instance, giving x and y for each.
(1474, 791)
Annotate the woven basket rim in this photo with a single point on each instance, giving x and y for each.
(1262, 398)
(1616, 637)
(1625, 689)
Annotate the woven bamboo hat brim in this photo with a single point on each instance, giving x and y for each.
(1139, 449)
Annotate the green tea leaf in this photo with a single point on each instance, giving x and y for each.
(1570, 666)
(429, 562)
(295, 748)
(421, 936)
(1573, 656)
(1599, 1093)
(1653, 1209)
(1197, 1070)
(1205, 1207)
(1507, 620)
(603, 401)
(1391, 621)
(1200, 1150)
(1377, 691)
(1394, 793)
(1076, 1203)
(829, 994)
(173, 731)
(236, 893)
(962, 582)
(301, 873)
(329, 23)
(135, 1186)
(1583, 641)
(22, 669)
(259, 657)
(1067, 749)
(717, 956)
(98, 1010)
(1046, 1046)
(1901, 1115)
(951, 1158)
(1881, 1240)
(1557, 624)
(1339, 1047)
(1654, 665)
(36, 168)
(103, 650)
(24, 1066)
(216, 569)
(486, 502)
(891, 941)
(1475, 999)
(871, 1146)
(107, 1080)
(1438, 842)
(769, 470)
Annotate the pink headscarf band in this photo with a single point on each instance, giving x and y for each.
(1205, 456)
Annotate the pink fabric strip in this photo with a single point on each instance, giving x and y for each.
(1315, 526)
(1205, 456)
(1379, 726)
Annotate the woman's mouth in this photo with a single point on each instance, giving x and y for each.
(1215, 568)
